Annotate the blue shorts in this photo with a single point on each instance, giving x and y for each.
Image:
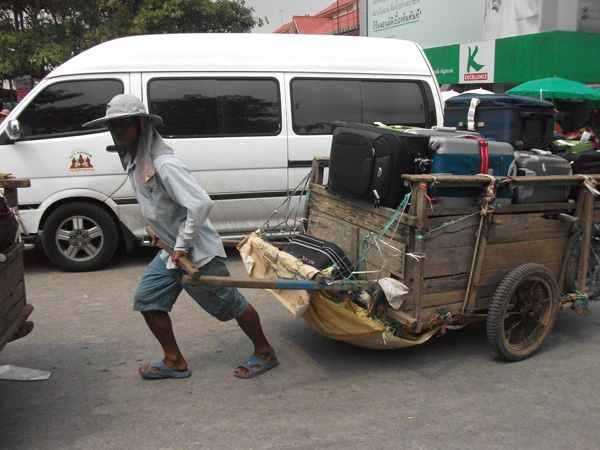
(159, 288)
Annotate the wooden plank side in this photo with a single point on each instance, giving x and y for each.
(11, 306)
(446, 291)
(350, 238)
(323, 226)
(348, 222)
(526, 227)
(443, 262)
(505, 249)
(13, 296)
(360, 211)
(12, 285)
(511, 255)
(452, 231)
(7, 333)
(373, 225)
(11, 271)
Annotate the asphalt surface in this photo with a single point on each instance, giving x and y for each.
(451, 392)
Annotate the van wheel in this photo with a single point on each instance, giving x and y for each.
(80, 237)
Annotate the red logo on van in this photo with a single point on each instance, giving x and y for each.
(81, 162)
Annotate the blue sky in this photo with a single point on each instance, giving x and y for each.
(280, 12)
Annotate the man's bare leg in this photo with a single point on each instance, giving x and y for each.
(161, 326)
(249, 322)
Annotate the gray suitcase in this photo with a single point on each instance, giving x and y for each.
(435, 131)
(531, 163)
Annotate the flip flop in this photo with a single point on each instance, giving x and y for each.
(263, 366)
(164, 372)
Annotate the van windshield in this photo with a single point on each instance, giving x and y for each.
(318, 102)
(65, 106)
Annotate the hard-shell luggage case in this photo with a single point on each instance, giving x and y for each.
(524, 122)
(584, 163)
(319, 253)
(468, 156)
(368, 162)
(537, 164)
(435, 131)
(587, 162)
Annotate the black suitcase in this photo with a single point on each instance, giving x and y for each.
(367, 162)
(319, 253)
(524, 122)
(586, 162)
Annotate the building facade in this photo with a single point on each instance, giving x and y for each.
(496, 43)
(339, 18)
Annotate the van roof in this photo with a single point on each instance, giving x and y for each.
(250, 51)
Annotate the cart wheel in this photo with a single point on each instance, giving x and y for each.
(522, 311)
(592, 288)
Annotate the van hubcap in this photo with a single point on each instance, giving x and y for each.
(79, 238)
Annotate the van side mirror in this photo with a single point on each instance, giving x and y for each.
(12, 130)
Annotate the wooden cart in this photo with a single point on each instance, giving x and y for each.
(14, 309)
(513, 265)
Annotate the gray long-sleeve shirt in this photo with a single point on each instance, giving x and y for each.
(177, 209)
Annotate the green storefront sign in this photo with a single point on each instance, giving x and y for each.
(517, 59)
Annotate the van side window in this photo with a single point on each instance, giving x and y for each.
(318, 102)
(193, 107)
(64, 107)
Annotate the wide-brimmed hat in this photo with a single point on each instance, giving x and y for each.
(125, 105)
(4, 112)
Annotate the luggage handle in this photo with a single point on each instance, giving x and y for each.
(442, 128)
(483, 151)
(534, 114)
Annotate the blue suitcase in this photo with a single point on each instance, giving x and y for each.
(463, 156)
(524, 122)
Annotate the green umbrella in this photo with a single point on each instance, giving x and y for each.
(555, 87)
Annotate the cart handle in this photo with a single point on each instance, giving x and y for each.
(184, 261)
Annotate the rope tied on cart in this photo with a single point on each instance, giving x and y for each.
(590, 185)
(430, 200)
(367, 246)
(489, 195)
(486, 213)
(487, 206)
(285, 221)
(444, 225)
(578, 302)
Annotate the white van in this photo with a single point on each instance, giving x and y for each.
(246, 112)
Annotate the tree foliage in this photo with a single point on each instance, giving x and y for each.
(38, 35)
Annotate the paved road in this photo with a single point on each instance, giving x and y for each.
(451, 392)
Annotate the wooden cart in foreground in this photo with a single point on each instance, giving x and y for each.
(14, 309)
(514, 266)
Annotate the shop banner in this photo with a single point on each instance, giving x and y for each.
(430, 23)
(477, 62)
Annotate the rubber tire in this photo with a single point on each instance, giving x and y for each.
(592, 286)
(90, 216)
(573, 268)
(513, 291)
